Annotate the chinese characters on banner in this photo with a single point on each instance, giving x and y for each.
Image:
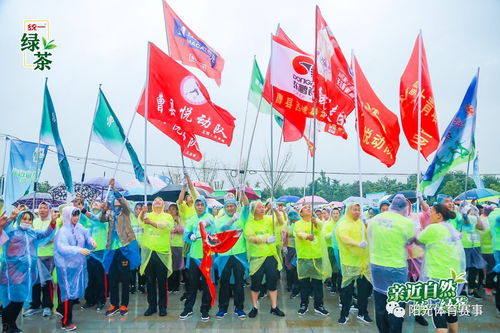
(36, 45)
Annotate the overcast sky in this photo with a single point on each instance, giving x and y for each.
(105, 42)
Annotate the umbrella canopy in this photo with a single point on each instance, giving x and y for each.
(360, 200)
(171, 193)
(336, 204)
(155, 182)
(249, 192)
(204, 186)
(214, 203)
(309, 200)
(39, 198)
(480, 194)
(288, 199)
(137, 193)
(408, 194)
(102, 184)
(60, 192)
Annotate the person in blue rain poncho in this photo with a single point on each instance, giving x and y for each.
(72, 245)
(192, 236)
(19, 270)
(232, 265)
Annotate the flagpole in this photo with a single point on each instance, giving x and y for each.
(315, 69)
(272, 149)
(419, 116)
(251, 140)
(38, 147)
(146, 133)
(90, 136)
(358, 129)
(4, 161)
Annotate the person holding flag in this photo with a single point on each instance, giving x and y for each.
(176, 246)
(333, 248)
(262, 252)
(290, 252)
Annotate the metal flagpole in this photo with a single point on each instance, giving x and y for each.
(315, 69)
(358, 129)
(272, 149)
(90, 136)
(251, 140)
(146, 133)
(4, 162)
(419, 109)
(38, 147)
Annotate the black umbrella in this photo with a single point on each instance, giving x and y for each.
(408, 194)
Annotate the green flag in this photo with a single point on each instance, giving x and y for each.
(49, 134)
(256, 89)
(108, 131)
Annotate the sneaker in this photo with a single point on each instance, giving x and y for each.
(302, 310)
(277, 312)
(343, 320)
(123, 310)
(31, 312)
(321, 310)
(57, 313)
(149, 311)
(421, 320)
(205, 316)
(162, 311)
(476, 295)
(87, 305)
(253, 313)
(70, 327)
(47, 312)
(240, 313)
(221, 314)
(111, 311)
(294, 295)
(262, 295)
(184, 297)
(184, 314)
(99, 306)
(365, 318)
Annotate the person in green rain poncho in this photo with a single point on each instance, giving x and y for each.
(177, 246)
(260, 234)
(494, 223)
(486, 276)
(138, 281)
(233, 264)
(443, 252)
(290, 257)
(156, 257)
(313, 265)
(192, 236)
(354, 259)
(328, 231)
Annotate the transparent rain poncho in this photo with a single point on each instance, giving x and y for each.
(354, 259)
(19, 270)
(71, 266)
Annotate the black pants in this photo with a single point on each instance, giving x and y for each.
(10, 314)
(270, 271)
(235, 268)
(346, 297)
(442, 321)
(157, 285)
(196, 280)
(472, 275)
(119, 272)
(174, 281)
(42, 295)
(311, 287)
(292, 280)
(386, 323)
(66, 308)
(95, 292)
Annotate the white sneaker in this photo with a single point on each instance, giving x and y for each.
(31, 312)
(47, 312)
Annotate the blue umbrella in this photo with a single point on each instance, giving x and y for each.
(482, 194)
(288, 198)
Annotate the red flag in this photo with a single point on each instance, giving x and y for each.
(379, 127)
(173, 129)
(187, 47)
(176, 95)
(333, 86)
(215, 243)
(408, 104)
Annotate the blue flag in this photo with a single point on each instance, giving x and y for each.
(49, 133)
(475, 173)
(21, 172)
(457, 143)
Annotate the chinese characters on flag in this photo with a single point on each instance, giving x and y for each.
(378, 126)
(408, 103)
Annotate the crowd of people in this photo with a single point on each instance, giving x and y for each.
(97, 250)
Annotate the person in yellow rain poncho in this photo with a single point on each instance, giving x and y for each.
(292, 281)
(487, 276)
(263, 255)
(156, 257)
(313, 265)
(176, 245)
(388, 235)
(138, 281)
(233, 264)
(328, 232)
(354, 258)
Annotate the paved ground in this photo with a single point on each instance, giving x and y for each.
(93, 321)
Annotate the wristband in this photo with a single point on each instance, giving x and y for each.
(84, 211)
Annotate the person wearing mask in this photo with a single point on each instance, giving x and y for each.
(291, 255)
(123, 254)
(233, 264)
(43, 289)
(192, 236)
(19, 270)
(176, 245)
(138, 281)
(313, 265)
(388, 235)
(443, 253)
(260, 234)
(333, 249)
(354, 258)
(156, 256)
